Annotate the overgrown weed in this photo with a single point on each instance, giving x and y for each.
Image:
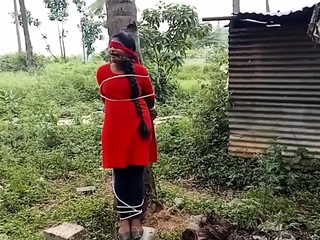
(42, 162)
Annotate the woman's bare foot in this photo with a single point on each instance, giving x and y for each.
(124, 227)
(136, 228)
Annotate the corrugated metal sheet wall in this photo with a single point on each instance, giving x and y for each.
(274, 79)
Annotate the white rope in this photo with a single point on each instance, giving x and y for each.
(133, 210)
(126, 99)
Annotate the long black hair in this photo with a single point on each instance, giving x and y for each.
(127, 65)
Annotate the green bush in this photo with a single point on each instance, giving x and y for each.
(42, 162)
(196, 148)
(18, 62)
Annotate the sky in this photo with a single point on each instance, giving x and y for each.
(205, 8)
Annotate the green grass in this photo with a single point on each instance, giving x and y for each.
(42, 164)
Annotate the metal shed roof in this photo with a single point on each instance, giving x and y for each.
(260, 15)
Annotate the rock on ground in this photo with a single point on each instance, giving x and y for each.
(65, 231)
(148, 233)
(86, 190)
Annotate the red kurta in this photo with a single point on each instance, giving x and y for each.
(121, 142)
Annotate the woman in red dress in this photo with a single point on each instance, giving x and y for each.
(128, 139)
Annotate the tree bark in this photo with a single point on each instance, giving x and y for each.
(235, 6)
(267, 6)
(60, 39)
(16, 19)
(30, 63)
(122, 16)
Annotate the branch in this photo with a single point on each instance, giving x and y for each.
(48, 46)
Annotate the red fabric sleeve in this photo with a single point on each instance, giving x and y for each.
(101, 74)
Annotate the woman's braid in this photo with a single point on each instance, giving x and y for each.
(128, 69)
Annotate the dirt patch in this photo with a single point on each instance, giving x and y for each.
(164, 220)
(167, 220)
(212, 227)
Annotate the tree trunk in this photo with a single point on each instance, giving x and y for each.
(122, 16)
(62, 42)
(84, 53)
(235, 6)
(30, 63)
(16, 19)
(60, 39)
(267, 6)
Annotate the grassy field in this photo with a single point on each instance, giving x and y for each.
(42, 163)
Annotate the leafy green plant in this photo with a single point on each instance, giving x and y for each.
(164, 51)
(18, 62)
(58, 11)
(37, 23)
(91, 29)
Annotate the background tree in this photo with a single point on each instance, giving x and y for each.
(97, 7)
(29, 16)
(58, 11)
(33, 22)
(16, 21)
(216, 37)
(91, 29)
(28, 44)
(165, 51)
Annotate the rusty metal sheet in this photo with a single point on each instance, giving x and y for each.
(274, 81)
(264, 16)
(279, 13)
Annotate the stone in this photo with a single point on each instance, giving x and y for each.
(259, 238)
(65, 231)
(194, 222)
(86, 119)
(285, 236)
(65, 121)
(230, 194)
(86, 190)
(178, 201)
(148, 233)
(270, 227)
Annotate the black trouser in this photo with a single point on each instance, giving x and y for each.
(129, 190)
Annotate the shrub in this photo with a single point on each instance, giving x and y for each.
(196, 148)
(34, 149)
(17, 62)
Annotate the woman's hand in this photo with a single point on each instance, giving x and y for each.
(153, 114)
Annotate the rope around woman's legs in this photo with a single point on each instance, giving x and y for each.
(130, 211)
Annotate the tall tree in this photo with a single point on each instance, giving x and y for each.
(267, 6)
(58, 11)
(30, 63)
(164, 51)
(16, 21)
(97, 6)
(235, 6)
(91, 29)
(122, 15)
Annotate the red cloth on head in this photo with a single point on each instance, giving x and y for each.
(117, 45)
